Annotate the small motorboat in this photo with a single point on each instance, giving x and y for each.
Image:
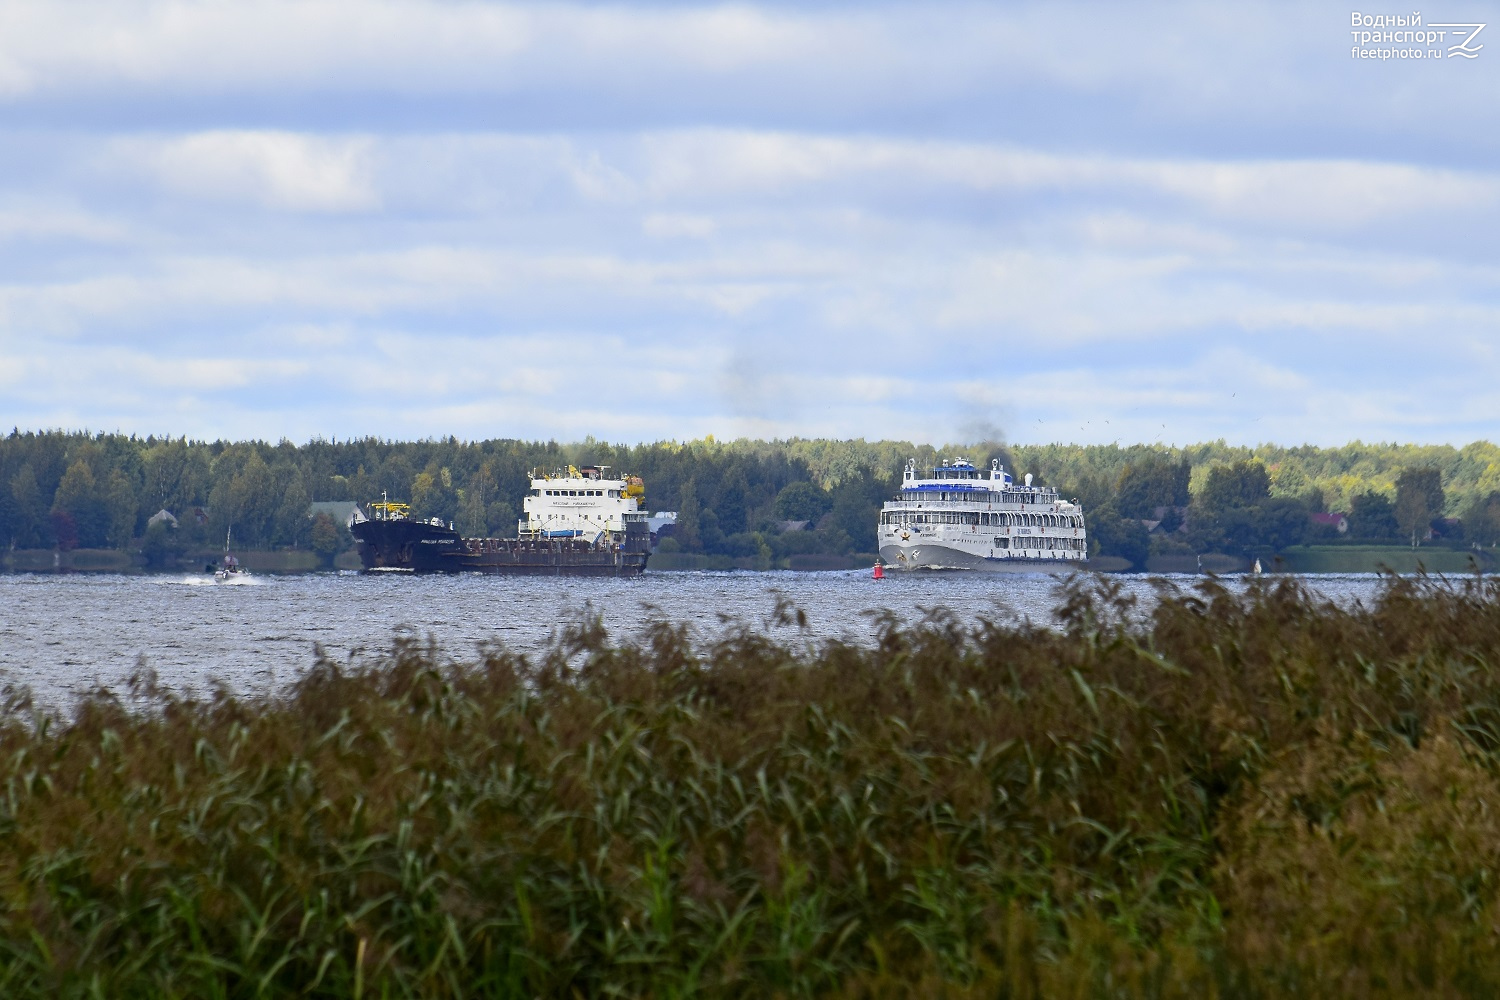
(229, 568)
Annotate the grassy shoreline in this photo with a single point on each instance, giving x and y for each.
(1248, 794)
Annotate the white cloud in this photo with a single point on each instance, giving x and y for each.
(676, 225)
(1303, 193)
(275, 169)
(44, 222)
(680, 178)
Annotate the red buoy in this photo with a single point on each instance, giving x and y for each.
(879, 572)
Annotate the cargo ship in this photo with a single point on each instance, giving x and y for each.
(579, 522)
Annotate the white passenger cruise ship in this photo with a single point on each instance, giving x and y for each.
(960, 517)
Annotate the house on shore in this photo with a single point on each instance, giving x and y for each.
(1335, 521)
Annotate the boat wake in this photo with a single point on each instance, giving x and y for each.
(239, 580)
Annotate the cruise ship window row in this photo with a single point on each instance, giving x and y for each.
(969, 496)
(578, 493)
(1044, 543)
(996, 520)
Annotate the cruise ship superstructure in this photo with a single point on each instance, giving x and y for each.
(957, 516)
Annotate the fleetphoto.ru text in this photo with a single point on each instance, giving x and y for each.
(1404, 36)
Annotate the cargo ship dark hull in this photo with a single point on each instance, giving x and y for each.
(423, 547)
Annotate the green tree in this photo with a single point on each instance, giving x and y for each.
(432, 494)
(474, 503)
(802, 501)
(293, 526)
(326, 538)
(1419, 500)
(1230, 512)
(1279, 522)
(1240, 484)
(501, 519)
(362, 488)
(78, 509)
(75, 489)
(1151, 483)
(30, 511)
(856, 509)
(686, 529)
(176, 477)
(731, 507)
(1372, 518)
(160, 545)
(122, 506)
(10, 518)
(395, 477)
(1113, 535)
(245, 502)
(1482, 520)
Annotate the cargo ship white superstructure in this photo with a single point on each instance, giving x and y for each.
(957, 516)
(582, 503)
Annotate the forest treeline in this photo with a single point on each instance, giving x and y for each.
(739, 498)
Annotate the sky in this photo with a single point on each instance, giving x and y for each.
(1050, 221)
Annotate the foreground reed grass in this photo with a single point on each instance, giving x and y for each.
(1237, 794)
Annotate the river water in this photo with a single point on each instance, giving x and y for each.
(61, 636)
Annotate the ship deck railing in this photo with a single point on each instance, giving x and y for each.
(974, 504)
